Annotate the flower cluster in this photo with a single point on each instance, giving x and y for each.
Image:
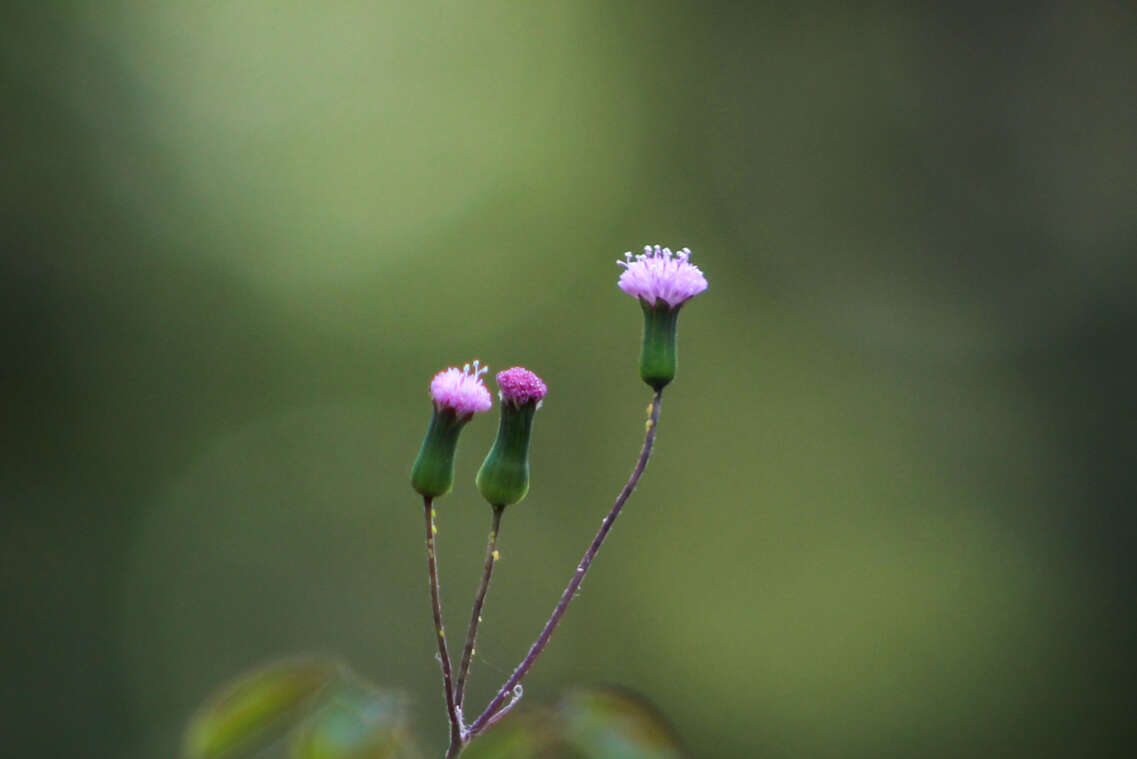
(657, 274)
(661, 281)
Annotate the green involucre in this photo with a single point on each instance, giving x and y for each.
(433, 472)
(659, 355)
(504, 476)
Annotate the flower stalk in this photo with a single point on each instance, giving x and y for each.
(456, 728)
(456, 395)
(479, 603)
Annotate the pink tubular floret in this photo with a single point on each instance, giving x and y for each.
(461, 389)
(519, 385)
(657, 274)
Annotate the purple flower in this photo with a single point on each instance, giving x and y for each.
(461, 390)
(657, 274)
(519, 386)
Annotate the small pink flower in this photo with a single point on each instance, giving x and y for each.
(657, 274)
(519, 385)
(461, 389)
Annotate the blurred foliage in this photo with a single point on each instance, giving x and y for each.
(605, 723)
(360, 722)
(250, 710)
(890, 512)
(527, 733)
(353, 719)
(587, 723)
(331, 713)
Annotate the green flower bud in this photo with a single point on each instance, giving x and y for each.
(433, 472)
(659, 355)
(504, 476)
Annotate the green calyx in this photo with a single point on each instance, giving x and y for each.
(504, 476)
(433, 472)
(658, 358)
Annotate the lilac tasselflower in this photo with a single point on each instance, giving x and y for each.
(662, 281)
(457, 394)
(658, 275)
(520, 386)
(504, 476)
(461, 390)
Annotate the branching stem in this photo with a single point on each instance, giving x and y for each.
(486, 719)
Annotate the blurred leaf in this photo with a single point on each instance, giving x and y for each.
(248, 712)
(609, 723)
(589, 723)
(532, 734)
(359, 722)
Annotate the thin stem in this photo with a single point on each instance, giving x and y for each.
(484, 720)
(479, 601)
(443, 654)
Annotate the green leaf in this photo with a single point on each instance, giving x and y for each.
(250, 711)
(609, 723)
(358, 722)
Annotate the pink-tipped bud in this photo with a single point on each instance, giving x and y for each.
(519, 385)
(504, 476)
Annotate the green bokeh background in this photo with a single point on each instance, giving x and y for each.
(891, 510)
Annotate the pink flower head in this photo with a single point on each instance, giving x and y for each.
(461, 390)
(657, 274)
(519, 386)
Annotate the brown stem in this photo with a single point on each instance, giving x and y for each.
(440, 633)
(479, 602)
(485, 720)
